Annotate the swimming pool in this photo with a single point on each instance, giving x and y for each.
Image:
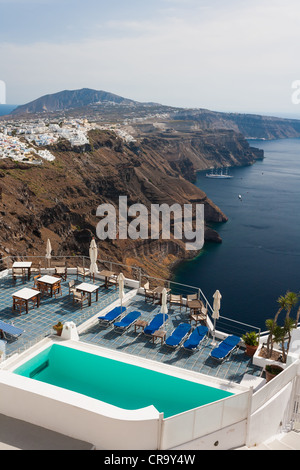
(117, 383)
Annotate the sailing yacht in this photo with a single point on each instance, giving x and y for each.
(214, 173)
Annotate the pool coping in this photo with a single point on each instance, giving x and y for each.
(17, 360)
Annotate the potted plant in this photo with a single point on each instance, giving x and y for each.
(281, 335)
(58, 328)
(272, 370)
(251, 341)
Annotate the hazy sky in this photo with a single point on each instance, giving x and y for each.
(226, 55)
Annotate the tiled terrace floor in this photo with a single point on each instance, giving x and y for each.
(39, 321)
(141, 345)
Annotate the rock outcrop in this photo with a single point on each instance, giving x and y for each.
(59, 201)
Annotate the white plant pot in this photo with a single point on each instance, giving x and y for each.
(262, 361)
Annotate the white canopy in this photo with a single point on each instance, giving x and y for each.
(216, 311)
(48, 252)
(93, 257)
(217, 304)
(121, 279)
(48, 249)
(164, 307)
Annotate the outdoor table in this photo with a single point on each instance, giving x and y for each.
(49, 281)
(159, 291)
(140, 324)
(26, 265)
(26, 294)
(88, 289)
(159, 334)
(107, 275)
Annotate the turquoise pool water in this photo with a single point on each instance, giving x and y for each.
(117, 383)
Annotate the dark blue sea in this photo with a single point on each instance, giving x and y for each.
(259, 259)
(6, 109)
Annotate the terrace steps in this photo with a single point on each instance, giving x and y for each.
(287, 441)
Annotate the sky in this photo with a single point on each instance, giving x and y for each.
(223, 55)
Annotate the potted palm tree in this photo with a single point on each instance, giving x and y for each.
(251, 341)
(279, 334)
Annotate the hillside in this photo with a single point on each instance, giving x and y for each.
(70, 99)
(250, 125)
(59, 199)
(108, 107)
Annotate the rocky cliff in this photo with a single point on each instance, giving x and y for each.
(59, 201)
(188, 151)
(250, 125)
(104, 106)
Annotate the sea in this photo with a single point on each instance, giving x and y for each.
(259, 258)
(6, 109)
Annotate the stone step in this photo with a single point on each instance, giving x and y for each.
(278, 445)
(259, 447)
(292, 439)
(288, 441)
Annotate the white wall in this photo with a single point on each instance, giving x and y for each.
(266, 421)
(77, 416)
(231, 437)
(205, 420)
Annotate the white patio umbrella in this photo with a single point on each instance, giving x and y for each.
(48, 252)
(93, 257)
(164, 307)
(121, 279)
(216, 311)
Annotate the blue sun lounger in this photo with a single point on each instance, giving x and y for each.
(111, 316)
(178, 335)
(156, 323)
(127, 321)
(7, 330)
(225, 348)
(196, 338)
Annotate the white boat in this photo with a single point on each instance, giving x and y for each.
(218, 174)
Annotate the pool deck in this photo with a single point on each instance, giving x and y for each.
(39, 321)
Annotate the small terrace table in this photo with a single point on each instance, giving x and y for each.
(89, 289)
(159, 334)
(25, 265)
(26, 294)
(49, 281)
(106, 275)
(140, 324)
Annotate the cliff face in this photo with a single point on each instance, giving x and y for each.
(59, 201)
(250, 125)
(103, 106)
(189, 152)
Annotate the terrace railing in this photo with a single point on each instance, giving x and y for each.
(226, 325)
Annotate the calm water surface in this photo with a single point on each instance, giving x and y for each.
(107, 380)
(259, 258)
(6, 109)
